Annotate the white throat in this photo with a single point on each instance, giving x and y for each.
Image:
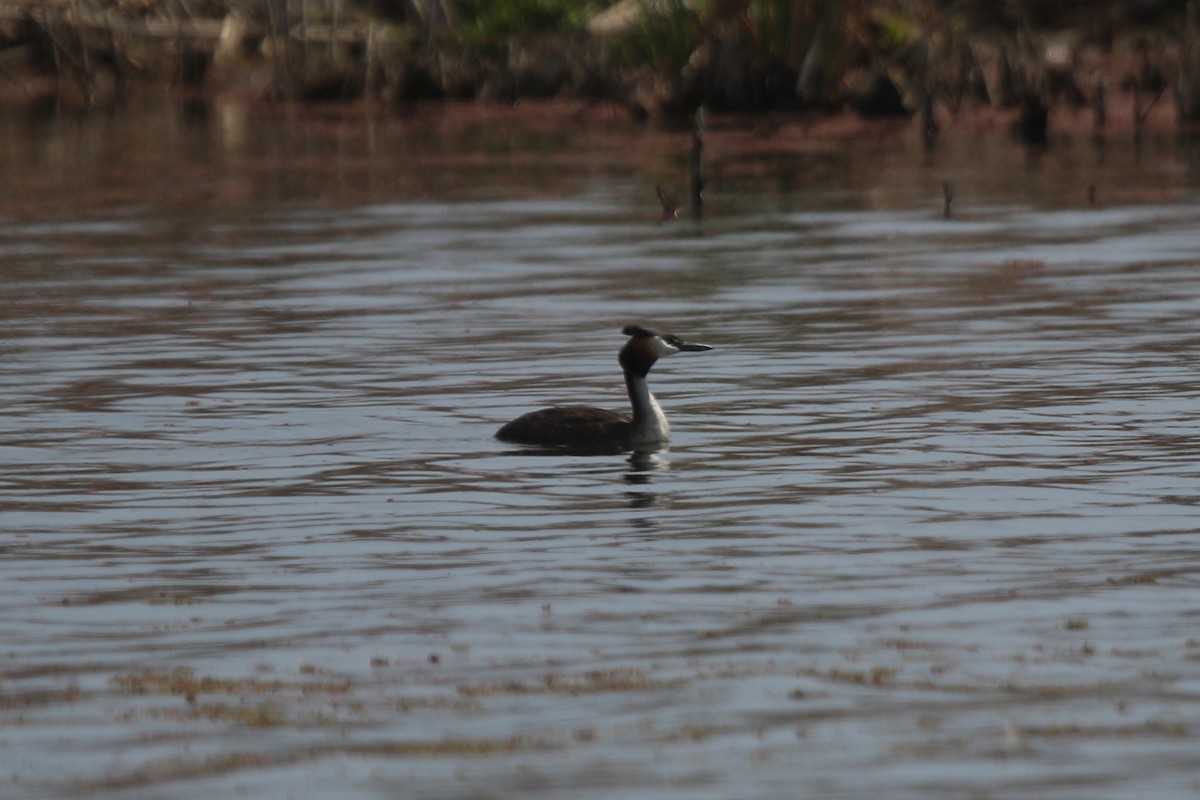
(649, 421)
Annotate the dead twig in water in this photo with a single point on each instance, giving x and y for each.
(1141, 114)
(667, 204)
(697, 166)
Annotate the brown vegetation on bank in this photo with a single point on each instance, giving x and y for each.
(656, 58)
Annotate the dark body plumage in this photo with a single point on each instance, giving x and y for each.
(582, 426)
(587, 428)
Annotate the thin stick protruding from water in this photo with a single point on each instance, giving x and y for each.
(697, 165)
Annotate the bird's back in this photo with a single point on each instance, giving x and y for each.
(569, 426)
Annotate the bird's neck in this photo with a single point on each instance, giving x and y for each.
(649, 421)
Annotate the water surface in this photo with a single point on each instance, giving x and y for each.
(926, 527)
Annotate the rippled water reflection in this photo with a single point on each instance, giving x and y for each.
(927, 526)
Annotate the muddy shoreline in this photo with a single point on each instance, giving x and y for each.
(1126, 67)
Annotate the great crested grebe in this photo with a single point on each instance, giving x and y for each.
(587, 427)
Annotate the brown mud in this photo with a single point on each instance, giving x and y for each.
(946, 65)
